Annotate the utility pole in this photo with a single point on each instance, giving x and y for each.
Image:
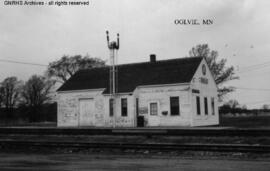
(113, 47)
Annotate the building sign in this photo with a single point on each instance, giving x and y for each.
(195, 91)
(164, 113)
(204, 80)
(143, 110)
(203, 69)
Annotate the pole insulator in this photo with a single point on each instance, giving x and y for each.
(118, 42)
(108, 39)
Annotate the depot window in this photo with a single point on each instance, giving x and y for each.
(154, 108)
(205, 106)
(198, 103)
(111, 107)
(124, 108)
(213, 105)
(174, 105)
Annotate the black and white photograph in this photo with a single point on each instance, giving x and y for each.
(134, 85)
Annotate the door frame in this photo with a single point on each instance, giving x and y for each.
(79, 113)
(136, 112)
(154, 116)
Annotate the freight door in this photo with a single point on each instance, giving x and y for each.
(86, 116)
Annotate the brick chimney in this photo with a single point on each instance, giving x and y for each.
(153, 58)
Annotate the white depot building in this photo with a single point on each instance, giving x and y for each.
(175, 92)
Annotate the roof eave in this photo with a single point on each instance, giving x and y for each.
(81, 90)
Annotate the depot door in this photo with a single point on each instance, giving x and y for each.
(153, 117)
(86, 115)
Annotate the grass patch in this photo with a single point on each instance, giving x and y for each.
(246, 121)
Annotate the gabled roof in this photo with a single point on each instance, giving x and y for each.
(180, 70)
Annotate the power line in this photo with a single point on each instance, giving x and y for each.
(254, 67)
(24, 63)
(257, 102)
(251, 70)
(254, 74)
(255, 89)
(244, 72)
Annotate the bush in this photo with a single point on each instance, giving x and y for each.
(47, 112)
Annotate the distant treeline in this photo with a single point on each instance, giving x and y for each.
(24, 114)
(225, 109)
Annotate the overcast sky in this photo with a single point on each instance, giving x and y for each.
(240, 33)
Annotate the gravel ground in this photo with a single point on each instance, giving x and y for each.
(138, 139)
(143, 139)
(133, 152)
(107, 161)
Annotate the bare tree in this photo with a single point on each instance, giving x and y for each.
(1, 96)
(64, 68)
(266, 107)
(221, 73)
(233, 104)
(244, 107)
(36, 92)
(10, 90)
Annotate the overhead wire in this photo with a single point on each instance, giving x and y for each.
(254, 67)
(24, 63)
(254, 89)
(257, 102)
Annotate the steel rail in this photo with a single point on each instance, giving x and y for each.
(135, 131)
(139, 146)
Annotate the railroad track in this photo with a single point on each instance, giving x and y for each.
(135, 131)
(137, 146)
